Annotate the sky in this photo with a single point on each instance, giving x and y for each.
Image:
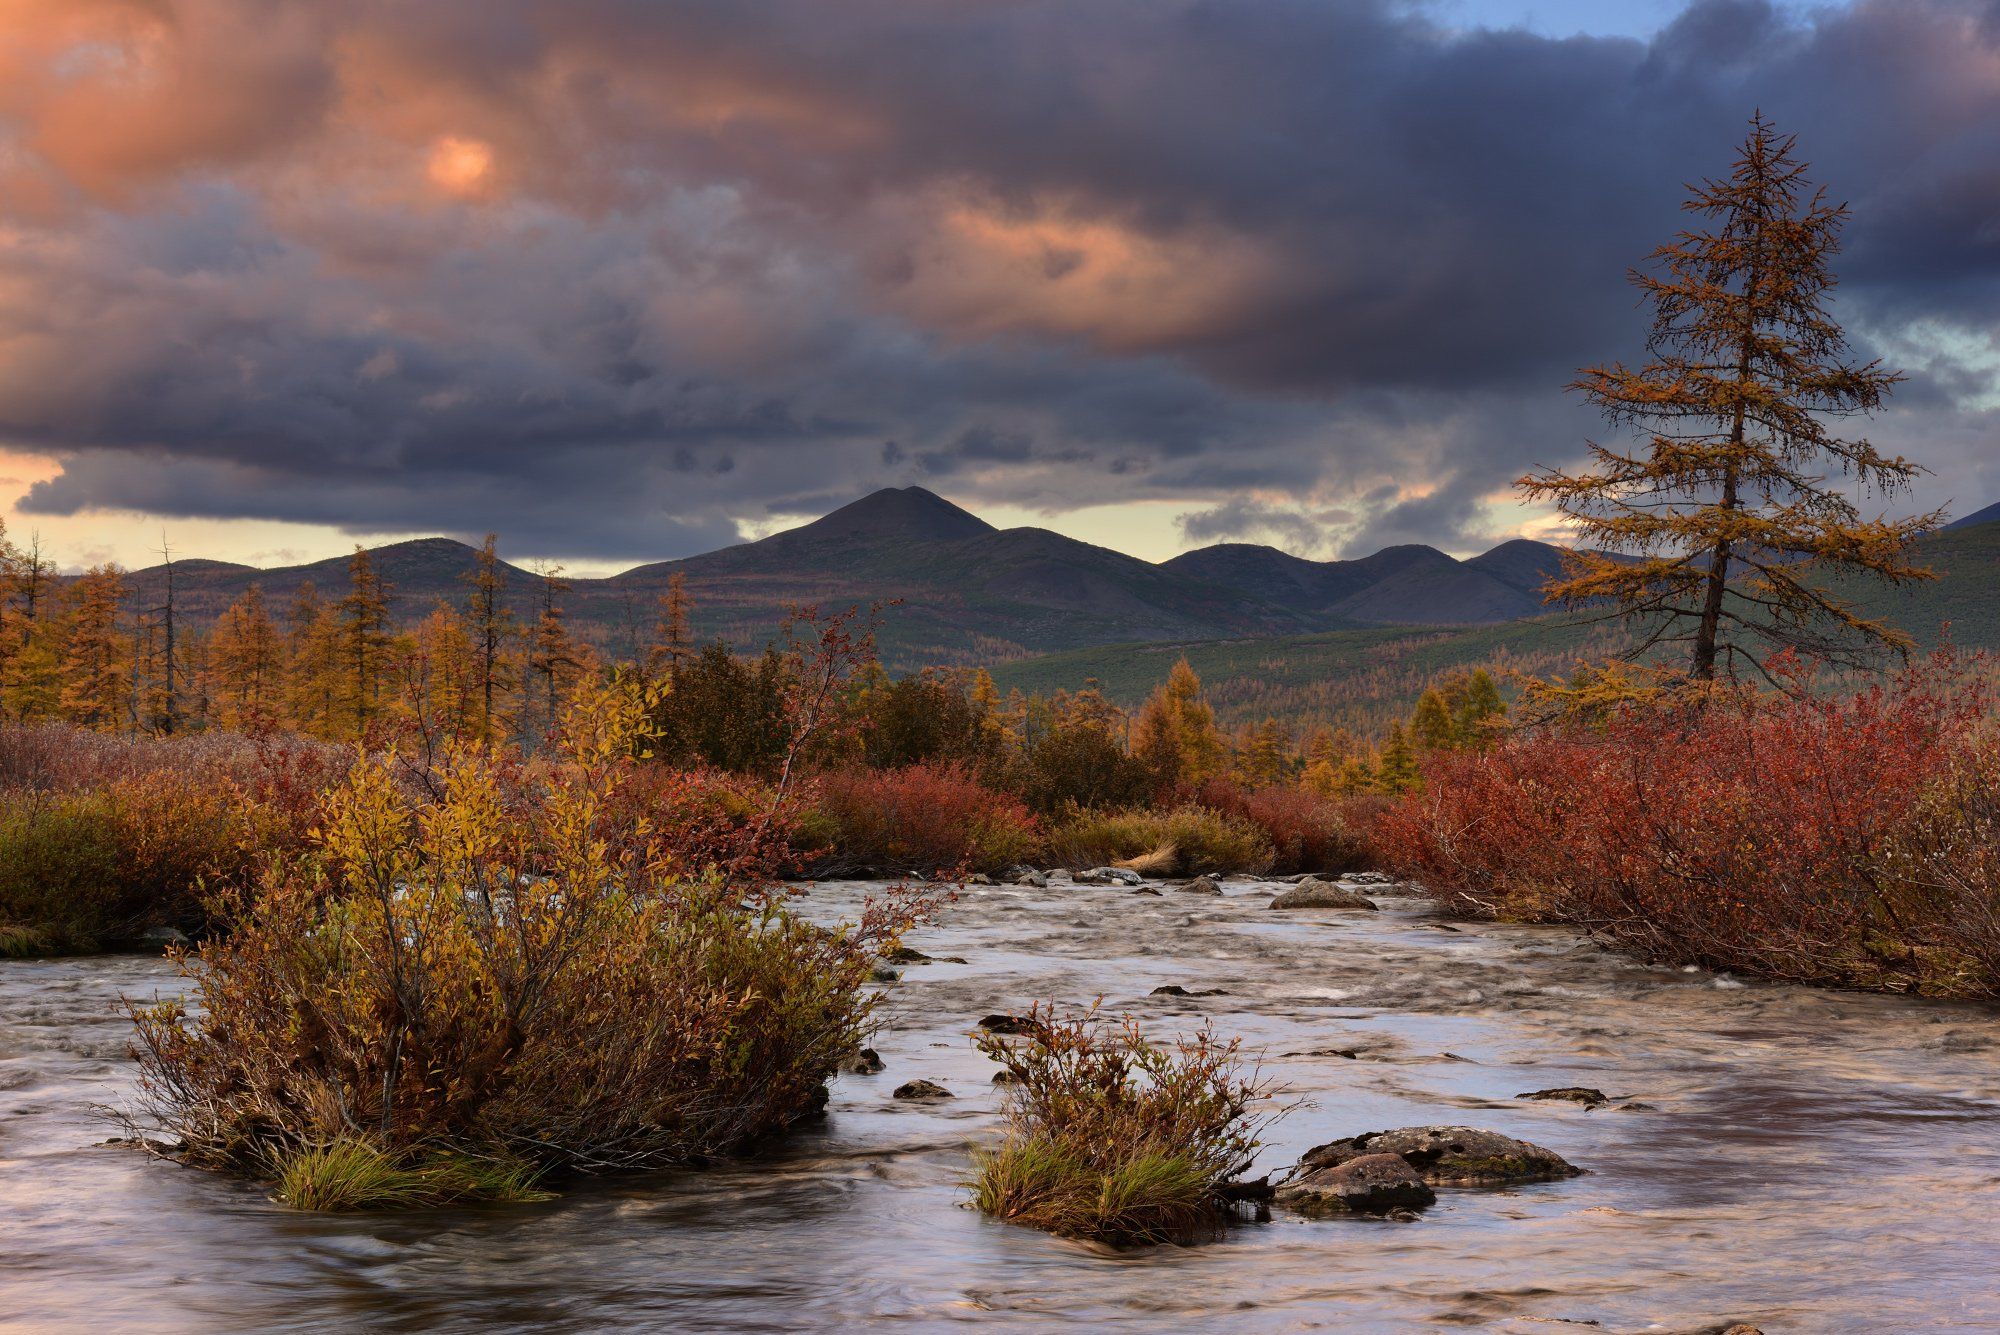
(623, 280)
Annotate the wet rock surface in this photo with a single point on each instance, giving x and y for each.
(1321, 895)
(1368, 1184)
(1449, 1156)
(1579, 1094)
(921, 1089)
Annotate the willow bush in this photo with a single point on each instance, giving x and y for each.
(1114, 1138)
(514, 969)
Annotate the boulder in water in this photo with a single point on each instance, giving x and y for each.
(1450, 1156)
(1009, 1024)
(1321, 895)
(1109, 876)
(1201, 885)
(1366, 1184)
(921, 1089)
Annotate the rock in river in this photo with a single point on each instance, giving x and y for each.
(1009, 1024)
(1201, 885)
(1368, 1184)
(921, 1089)
(865, 1062)
(1321, 895)
(1589, 1098)
(1449, 1156)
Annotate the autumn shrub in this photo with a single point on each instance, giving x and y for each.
(501, 968)
(1201, 839)
(1800, 836)
(1114, 1138)
(82, 869)
(925, 819)
(1307, 832)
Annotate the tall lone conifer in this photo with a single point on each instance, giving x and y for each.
(1720, 524)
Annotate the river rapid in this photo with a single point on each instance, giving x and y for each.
(1803, 1160)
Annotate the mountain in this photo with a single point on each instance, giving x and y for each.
(1364, 677)
(1986, 516)
(967, 592)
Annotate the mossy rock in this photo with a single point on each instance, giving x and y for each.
(1450, 1156)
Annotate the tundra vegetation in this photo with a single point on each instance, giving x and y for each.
(470, 909)
(485, 970)
(1117, 1138)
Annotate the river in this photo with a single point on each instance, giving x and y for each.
(1803, 1160)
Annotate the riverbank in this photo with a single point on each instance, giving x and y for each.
(1787, 1132)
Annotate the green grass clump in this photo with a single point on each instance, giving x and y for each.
(1115, 1139)
(354, 1175)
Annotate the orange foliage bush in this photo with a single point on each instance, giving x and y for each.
(1307, 832)
(1799, 836)
(921, 818)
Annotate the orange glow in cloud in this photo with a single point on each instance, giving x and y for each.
(1062, 270)
(461, 166)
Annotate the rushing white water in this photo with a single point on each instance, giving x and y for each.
(1805, 1160)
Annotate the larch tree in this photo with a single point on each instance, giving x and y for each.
(670, 632)
(553, 656)
(1718, 528)
(491, 626)
(1175, 736)
(246, 659)
(312, 663)
(364, 638)
(96, 665)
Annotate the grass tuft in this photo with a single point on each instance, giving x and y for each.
(354, 1175)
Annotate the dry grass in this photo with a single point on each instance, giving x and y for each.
(1161, 861)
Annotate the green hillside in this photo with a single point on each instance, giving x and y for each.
(1363, 678)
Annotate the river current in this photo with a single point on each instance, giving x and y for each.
(1798, 1159)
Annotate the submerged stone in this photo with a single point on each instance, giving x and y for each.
(1321, 895)
(1589, 1098)
(1367, 1184)
(921, 1089)
(1009, 1024)
(1450, 1156)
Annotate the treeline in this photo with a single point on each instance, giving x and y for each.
(335, 665)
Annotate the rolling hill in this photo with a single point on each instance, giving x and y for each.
(1362, 678)
(968, 592)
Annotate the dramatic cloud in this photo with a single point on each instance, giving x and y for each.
(616, 278)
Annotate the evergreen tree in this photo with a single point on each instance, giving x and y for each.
(1723, 507)
(1431, 724)
(1396, 771)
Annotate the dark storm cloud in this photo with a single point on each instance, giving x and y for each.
(609, 276)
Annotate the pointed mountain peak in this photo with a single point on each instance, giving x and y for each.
(911, 514)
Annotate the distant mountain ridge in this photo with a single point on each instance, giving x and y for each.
(969, 592)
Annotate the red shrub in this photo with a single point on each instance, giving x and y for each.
(1307, 832)
(1756, 832)
(927, 819)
